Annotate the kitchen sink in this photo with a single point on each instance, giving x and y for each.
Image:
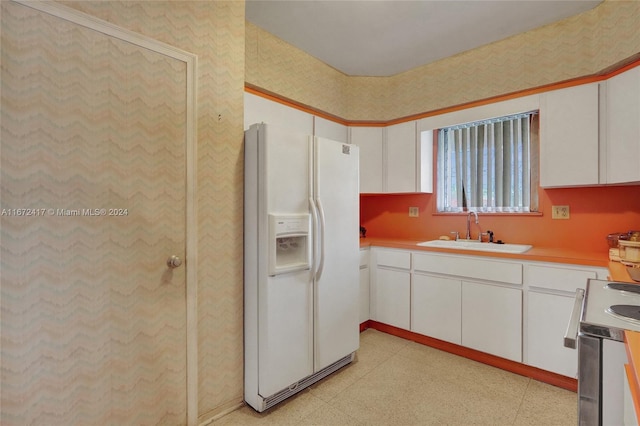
(476, 245)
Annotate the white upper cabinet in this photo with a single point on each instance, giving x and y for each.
(370, 142)
(569, 140)
(394, 159)
(590, 134)
(401, 157)
(409, 159)
(330, 129)
(622, 162)
(260, 110)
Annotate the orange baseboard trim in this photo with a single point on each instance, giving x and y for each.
(544, 376)
(364, 326)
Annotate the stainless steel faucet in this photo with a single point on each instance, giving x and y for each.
(468, 237)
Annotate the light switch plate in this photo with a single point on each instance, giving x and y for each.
(560, 212)
(413, 212)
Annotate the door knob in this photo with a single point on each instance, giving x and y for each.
(174, 261)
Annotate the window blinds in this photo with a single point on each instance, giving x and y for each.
(486, 166)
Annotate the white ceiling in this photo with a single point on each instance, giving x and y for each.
(386, 37)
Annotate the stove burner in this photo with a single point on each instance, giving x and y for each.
(633, 288)
(628, 312)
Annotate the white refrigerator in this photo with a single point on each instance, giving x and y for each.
(301, 261)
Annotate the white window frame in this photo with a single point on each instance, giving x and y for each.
(467, 181)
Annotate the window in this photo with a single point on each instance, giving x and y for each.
(489, 166)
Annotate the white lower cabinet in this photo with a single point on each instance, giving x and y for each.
(435, 307)
(549, 302)
(364, 286)
(392, 297)
(492, 319)
(547, 319)
(516, 310)
(391, 287)
(467, 300)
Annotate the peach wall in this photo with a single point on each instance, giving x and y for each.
(595, 212)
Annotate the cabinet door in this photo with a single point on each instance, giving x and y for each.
(401, 157)
(435, 307)
(364, 286)
(623, 127)
(569, 149)
(392, 297)
(331, 130)
(547, 318)
(369, 140)
(364, 294)
(260, 110)
(492, 319)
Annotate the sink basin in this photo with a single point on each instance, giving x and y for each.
(475, 245)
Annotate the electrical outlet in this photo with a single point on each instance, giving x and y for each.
(560, 212)
(413, 212)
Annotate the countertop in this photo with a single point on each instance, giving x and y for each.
(617, 271)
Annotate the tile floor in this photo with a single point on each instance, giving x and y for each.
(398, 382)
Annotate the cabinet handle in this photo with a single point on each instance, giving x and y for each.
(571, 335)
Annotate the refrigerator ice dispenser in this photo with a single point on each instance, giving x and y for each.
(288, 243)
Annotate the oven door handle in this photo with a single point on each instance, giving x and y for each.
(571, 335)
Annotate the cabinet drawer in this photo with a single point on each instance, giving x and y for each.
(393, 258)
(564, 279)
(480, 269)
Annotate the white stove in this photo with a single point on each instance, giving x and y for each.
(600, 317)
(610, 308)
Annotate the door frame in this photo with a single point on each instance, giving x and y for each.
(191, 261)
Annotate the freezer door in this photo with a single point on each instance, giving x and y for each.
(285, 343)
(278, 309)
(336, 292)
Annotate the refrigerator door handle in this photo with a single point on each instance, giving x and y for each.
(315, 233)
(321, 238)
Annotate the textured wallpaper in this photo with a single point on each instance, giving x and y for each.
(276, 66)
(215, 32)
(575, 47)
(93, 149)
